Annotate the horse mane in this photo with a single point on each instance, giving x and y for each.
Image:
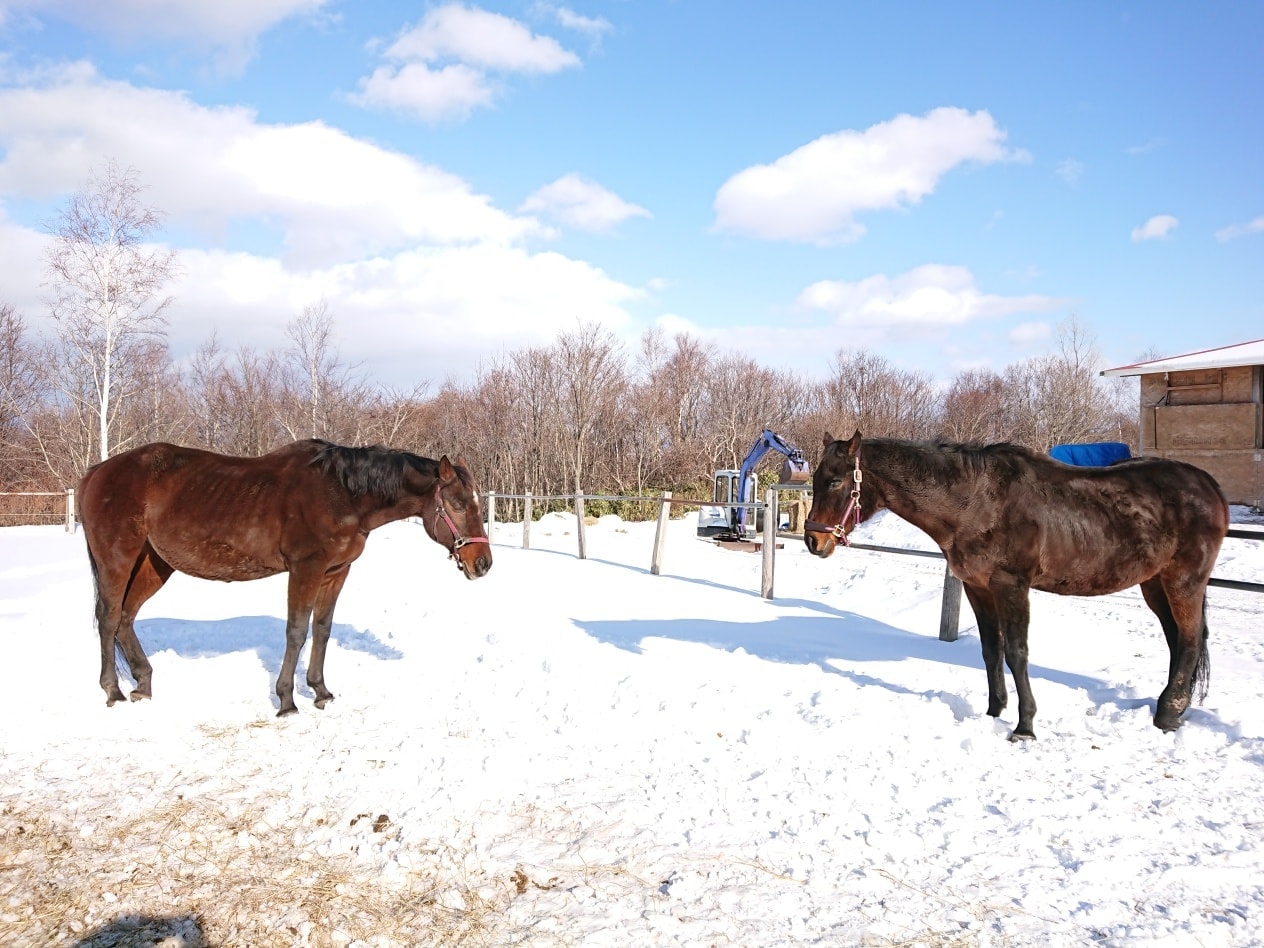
(375, 469)
(940, 460)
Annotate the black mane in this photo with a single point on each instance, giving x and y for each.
(375, 469)
(949, 460)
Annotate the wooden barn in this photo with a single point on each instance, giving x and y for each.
(1207, 408)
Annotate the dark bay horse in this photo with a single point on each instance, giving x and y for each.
(306, 509)
(1010, 520)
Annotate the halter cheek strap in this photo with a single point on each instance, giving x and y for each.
(839, 531)
(458, 539)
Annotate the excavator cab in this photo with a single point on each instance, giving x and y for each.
(741, 487)
(726, 489)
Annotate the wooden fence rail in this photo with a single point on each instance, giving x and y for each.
(950, 604)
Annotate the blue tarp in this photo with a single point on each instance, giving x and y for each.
(1097, 454)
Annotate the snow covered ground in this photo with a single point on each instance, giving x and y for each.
(578, 752)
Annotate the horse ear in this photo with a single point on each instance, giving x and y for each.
(446, 471)
(853, 446)
(829, 439)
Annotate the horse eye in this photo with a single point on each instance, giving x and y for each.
(836, 483)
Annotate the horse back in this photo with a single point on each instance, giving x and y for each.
(212, 515)
(1102, 529)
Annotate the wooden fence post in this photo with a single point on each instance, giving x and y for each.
(526, 521)
(660, 535)
(771, 518)
(491, 515)
(579, 517)
(70, 510)
(950, 614)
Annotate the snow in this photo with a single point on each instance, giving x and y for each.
(573, 752)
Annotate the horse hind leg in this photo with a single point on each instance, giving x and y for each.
(151, 573)
(108, 615)
(1183, 616)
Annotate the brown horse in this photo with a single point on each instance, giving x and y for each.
(1010, 520)
(306, 509)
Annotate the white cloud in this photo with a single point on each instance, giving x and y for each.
(423, 276)
(1026, 335)
(593, 27)
(432, 95)
(421, 314)
(328, 194)
(581, 203)
(479, 38)
(1070, 171)
(814, 193)
(439, 69)
(230, 28)
(1234, 231)
(932, 296)
(1156, 228)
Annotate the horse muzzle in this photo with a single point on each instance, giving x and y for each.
(821, 538)
(473, 556)
(819, 543)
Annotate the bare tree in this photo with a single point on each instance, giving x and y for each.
(319, 391)
(974, 408)
(591, 363)
(868, 393)
(1060, 398)
(106, 293)
(21, 396)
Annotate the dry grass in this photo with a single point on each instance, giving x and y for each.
(192, 876)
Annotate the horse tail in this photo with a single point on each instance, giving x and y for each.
(96, 586)
(1202, 668)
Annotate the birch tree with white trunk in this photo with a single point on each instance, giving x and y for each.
(106, 287)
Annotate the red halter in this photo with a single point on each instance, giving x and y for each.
(458, 540)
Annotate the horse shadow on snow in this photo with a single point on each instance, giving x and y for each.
(841, 643)
(263, 635)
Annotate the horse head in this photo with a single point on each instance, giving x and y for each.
(837, 502)
(459, 516)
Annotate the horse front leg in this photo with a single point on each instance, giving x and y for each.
(302, 594)
(322, 622)
(990, 638)
(1014, 612)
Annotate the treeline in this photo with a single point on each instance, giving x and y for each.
(585, 413)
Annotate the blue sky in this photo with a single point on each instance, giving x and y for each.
(943, 184)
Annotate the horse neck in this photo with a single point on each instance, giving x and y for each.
(918, 483)
(416, 499)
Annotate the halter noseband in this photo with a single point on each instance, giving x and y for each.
(458, 539)
(852, 512)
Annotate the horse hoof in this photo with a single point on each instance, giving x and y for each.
(139, 695)
(285, 712)
(321, 702)
(1167, 724)
(1015, 736)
